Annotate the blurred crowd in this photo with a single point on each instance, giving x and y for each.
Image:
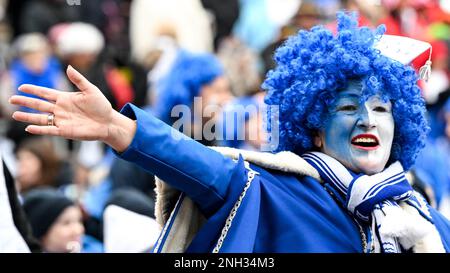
(158, 54)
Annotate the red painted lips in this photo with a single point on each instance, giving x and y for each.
(366, 142)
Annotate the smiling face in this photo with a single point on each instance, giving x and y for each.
(65, 235)
(358, 134)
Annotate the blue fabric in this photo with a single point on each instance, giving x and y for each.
(432, 167)
(162, 150)
(96, 197)
(280, 212)
(47, 78)
(436, 119)
(207, 237)
(443, 226)
(401, 188)
(294, 215)
(91, 245)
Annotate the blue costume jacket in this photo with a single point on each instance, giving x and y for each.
(281, 212)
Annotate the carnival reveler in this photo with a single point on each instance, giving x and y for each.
(351, 122)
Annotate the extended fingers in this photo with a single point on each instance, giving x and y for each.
(79, 80)
(38, 119)
(43, 130)
(40, 123)
(36, 104)
(43, 92)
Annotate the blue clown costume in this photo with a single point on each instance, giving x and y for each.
(285, 209)
(227, 200)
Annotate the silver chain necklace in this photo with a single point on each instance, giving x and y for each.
(251, 174)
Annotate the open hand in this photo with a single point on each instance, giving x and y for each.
(83, 115)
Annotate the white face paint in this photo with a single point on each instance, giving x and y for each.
(359, 134)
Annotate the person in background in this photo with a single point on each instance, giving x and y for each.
(32, 62)
(81, 45)
(242, 123)
(192, 75)
(406, 17)
(241, 65)
(157, 30)
(39, 165)
(187, 19)
(57, 222)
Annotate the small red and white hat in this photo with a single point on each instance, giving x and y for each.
(407, 51)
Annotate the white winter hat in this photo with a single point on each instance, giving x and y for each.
(80, 38)
(30, 42)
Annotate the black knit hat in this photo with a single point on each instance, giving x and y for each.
(43, 206)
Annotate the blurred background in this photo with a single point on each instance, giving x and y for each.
(157, 54)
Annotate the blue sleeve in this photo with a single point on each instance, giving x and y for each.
(202, 173)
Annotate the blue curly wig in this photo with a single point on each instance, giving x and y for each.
(314, 65)
(189, 73)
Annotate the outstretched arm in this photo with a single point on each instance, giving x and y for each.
(136, 136)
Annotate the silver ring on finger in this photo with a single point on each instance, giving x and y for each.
(51, 120)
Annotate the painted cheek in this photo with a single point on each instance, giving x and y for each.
(337, 133)
(387, 131)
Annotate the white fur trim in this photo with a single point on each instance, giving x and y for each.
(166, 197)
(186, 225)
(283, 161)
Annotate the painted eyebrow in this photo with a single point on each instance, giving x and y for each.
(348, 97)
(381, 101)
